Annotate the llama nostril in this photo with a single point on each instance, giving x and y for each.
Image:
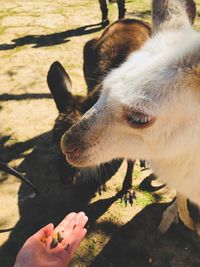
(68, 145)
(64, 145)
(70, 150)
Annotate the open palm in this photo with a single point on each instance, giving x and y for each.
(41, 254)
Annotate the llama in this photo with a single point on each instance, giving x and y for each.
(149, 106)
(99, 58)
(112, 48)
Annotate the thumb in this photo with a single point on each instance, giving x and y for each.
(45, 231)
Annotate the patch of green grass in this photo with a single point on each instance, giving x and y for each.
(121, 203)
(136, 174)
(144, 198)
(83, 4)
(8, 129)
(91, 246)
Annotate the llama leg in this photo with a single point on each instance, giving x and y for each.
(127, 184)
(183, 211)
(179, 208)
(106, 171)
(101, 188)
(104, 9)
(143, 164)
(127, 194)
(169, 216)
(121, 8)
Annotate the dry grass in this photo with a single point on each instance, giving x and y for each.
(33, 34)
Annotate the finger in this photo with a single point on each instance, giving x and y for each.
(75, 232)
(68, 226)
(65, 228)
(66, 221)
(82, 222)
(44, 232)
(75, 221)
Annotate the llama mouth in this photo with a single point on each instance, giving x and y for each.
(71, 158)
(72, 155)
(77, 161)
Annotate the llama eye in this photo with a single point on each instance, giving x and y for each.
(139, 120)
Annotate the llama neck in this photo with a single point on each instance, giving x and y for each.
(182, 174)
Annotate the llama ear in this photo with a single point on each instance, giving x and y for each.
(60, 86)
(172, 14)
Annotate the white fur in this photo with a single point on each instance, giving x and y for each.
(171, 144)
(161, 80)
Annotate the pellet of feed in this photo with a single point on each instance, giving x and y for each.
(60, 236)
(54, 243)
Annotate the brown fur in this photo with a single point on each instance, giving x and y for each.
(100, 56)
(112, 48)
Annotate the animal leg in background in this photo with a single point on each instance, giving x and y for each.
(121, 9)
(104, 11)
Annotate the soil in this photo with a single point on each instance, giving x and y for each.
(33, 34)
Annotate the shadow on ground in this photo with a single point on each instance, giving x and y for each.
(51, 39)
(135, 244)
(139, 244)
(40, 166)
(8, 97)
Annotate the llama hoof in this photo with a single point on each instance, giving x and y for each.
(144, 165)
(105, 22)
(128, 197)
(102, 188)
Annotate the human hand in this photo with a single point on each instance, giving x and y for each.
(39, 253)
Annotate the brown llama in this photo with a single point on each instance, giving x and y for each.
(110, 50)
(100, 56)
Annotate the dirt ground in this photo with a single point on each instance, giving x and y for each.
(33, 34)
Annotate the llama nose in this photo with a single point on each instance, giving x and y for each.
(70, 143)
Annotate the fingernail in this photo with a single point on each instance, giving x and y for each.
(85, 218)
(81, 213)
